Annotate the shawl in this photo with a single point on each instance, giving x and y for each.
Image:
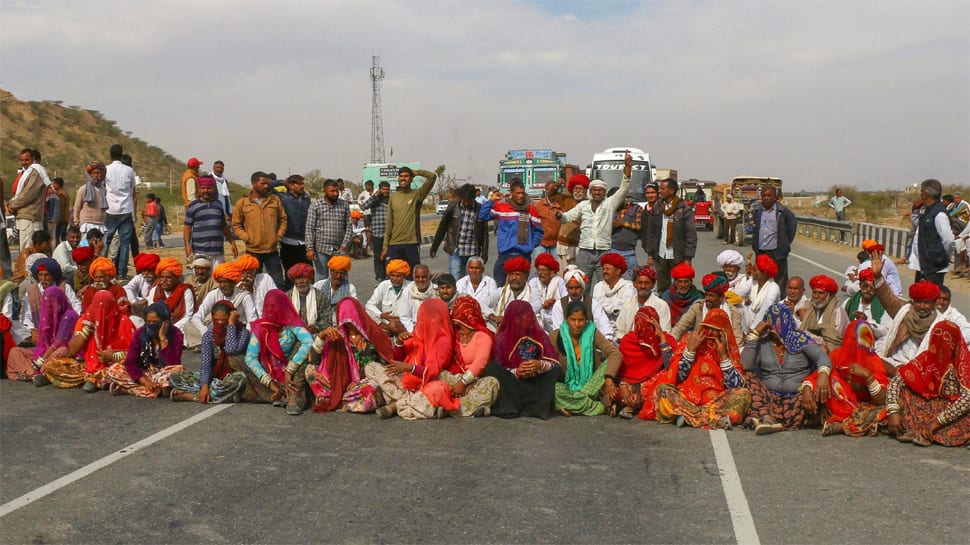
(507, 297)
(875, 307)
(416, 295)
(783, 325)
(524, 218)
(669, 212)
(520, 338)
(758, 293)
(680, 303)
(466, 311)
(311, 304)
(112, 329)
(431, 345)
(174, 302)
(947, 352)
(57, 320)
(278, 313)
(578, 369)
(824, 326)
(95, 193)
(706, 380)
(642, 356)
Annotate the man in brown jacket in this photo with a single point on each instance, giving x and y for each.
(27, 199)
(259, 220)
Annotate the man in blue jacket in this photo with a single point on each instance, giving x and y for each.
(519, 226)
(775, 228)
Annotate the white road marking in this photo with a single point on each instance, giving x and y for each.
(744, 529)
(80, 473)
(819, 265)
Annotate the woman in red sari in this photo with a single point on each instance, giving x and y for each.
(646, 352)
(419, 359)
(929, 398)
(710, 390)
(857, 383)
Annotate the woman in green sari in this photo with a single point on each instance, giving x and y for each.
(591, 363)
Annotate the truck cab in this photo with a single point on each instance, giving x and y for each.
(697, 193)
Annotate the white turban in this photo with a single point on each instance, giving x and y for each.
(597, 183)
(202, 262)
(730, 257)
(571, 272)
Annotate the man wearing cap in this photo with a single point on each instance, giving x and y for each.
(227, 275)
(597, 221)
(644, 279)
(144, 280)
(307, 300)
(206, 231)
(417, 291)
(293, 245)
(103, 273)
(715, 287)
(547, 287)
(576, 290)
(775, 228)
(259, 220)
(516, 288)
(464, 234)
(825, 322)
(682, 293)
(177, 296)
(119, 183)
(909, 333)
(383, 301)
(201, 279)
(795, 299)
(865, 306)
(336, 286)
(328, 231)
(670, 237)
(519, 229)
(189, 186)
(614, 290)
(567, 243)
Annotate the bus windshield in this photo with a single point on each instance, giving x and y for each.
(611, 172)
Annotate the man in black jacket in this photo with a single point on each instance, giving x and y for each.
(933, 240)
(775, 228)
(670, 236)
(463, 233)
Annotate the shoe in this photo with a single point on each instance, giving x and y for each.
(89, 387)
(680, 422)
(387, 411)
(278, 403)
(41, 380)
(766, 429)
(439, 412)
(482, 411)
(294, 410)
(626, 413)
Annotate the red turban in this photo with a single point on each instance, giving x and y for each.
(247, 262)
(227, 271)
(300, 270)
(171, 265)
(82, 254)
(865, 275)
(146, 262)
(614, 259)
(715, 282)
(577, 179)
(823, 282)
(682, 270)
(545, 259)
(517, 264)
(644, 270)
(767, 265)
(924, 290)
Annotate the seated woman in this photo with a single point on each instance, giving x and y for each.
(56, 326)
(338, 382)
(154, 355)
(102, 335)
(425, 353)
(276, 356)
(525, 365)
(590, 382)
(857, 385)
(777, 357)
(215, 381)
(461, 389)
(646, 352)
(928, 401)
(709, 389)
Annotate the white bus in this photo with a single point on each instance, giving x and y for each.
(608, 166)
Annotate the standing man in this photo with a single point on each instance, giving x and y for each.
(345, 192)
(568, 243)
(206, 232)
(731, 210)
(626, 233)
(775, 228)
(293, 247)
(403, 232)
(377, 206)
(222, 189)
(464, 234)
(60, 230)
(362, 198)
(546, 207)
(27, 200)
(119, 181)
(519, 230)
(188, 180)
(328, 229)
(933, 239)
(259, 220)
(839, 203)
(671, 237)
(597, 223)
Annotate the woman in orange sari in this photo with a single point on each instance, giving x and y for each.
(857, 383)
(422, 356)
(928, 400)
(646, 352)
(710, 390)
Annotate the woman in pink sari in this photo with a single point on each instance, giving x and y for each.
(57, 320)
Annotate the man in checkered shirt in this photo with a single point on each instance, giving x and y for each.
(377, 205)
(328, 231)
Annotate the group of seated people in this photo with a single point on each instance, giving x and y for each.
(733, 352)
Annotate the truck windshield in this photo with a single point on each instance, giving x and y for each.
(542, 176)
(611, 172)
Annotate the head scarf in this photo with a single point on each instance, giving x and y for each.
(858, 346)
(278, 312)
(49, 265)
(579, 367)
(247, 262)
(227, 271)
(201, 261)
(767, 265)
(715, 282)
(57, 320)
(148, 352)
(946, 351)
(146, 261)
(468, 312)
(103, 265)
(783, 324)
(706, 380)
(517, 264)
(644, 270)
(220, 367)
(341, 263)
(924, 290)
(614, 259)
(682, 270)
(730, 257)
(823, 283)
(398, 266)
(82, 254)
(300, 270)
(573, 272)
(112, 330)
(546, 259)
(642, 356)
(430, 345)
(520, 338)
(169, 264)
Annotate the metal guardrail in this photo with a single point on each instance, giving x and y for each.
(894, 239)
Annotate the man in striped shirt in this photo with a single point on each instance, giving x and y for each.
(206, 230)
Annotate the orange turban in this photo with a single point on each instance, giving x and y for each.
(227, 271)
(682, 270)
(146, 262)
(247, 262)
(356, 214)
(824, 283)
(341, 263)
(767, 265)
(398, 266)
(103, 265)
(171, 265)
(870, 246)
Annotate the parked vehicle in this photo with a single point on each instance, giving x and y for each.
(535, 167)
(608, 166)
(746, 190)
(442, 206)
(695, 192)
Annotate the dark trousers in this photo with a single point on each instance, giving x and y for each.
(498, 270)
(936, 278)
(272, 266)
(663, 267)
(377, 246)
(291, 254)
(407, 252)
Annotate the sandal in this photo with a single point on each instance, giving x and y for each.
(626, 413)
(831, 428)
(565, 412)
(115, 389)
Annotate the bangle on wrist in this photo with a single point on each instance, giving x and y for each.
(874, 388)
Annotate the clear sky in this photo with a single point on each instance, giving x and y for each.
(874, 94)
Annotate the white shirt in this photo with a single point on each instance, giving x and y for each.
(241, 299)
(556, 289)
(942, 224)
(907, 351)
(612, 299)
(137, 288)
(261, 286)
(189, 299)
(600, 319)
(62, 254)
(741, 285)
(624, 322)
(361, 199)
(761, 300)
(731, 210)
(119, 180)
(384, 299)
(957, 318)
(483, 294)
(596, 229)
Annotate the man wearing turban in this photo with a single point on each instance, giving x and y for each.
(82, 256)
(889, 270)
(335, 287)
(732, 263)
(825, 322)
(567, 243)
(644, 279)
(41, 244)
(201, 280)
(576, 282)
(764, 290)
(177, 296)
(614, 290)
(383, 302)
(715, 287)
(103, 275)
(138, 287)
(228, 276)
(682, 293)
(546, 287)
(44, 272)
(253, 281)
(516, 289)
(308, 300)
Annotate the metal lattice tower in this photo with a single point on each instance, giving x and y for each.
(376, 124)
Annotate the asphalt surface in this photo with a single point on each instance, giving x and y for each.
(250, 473)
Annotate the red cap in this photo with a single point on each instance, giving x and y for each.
(193, 162)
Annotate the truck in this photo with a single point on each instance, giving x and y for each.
(534, 167)
(608, 166)
(746, 191)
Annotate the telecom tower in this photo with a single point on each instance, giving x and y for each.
(376, 125)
